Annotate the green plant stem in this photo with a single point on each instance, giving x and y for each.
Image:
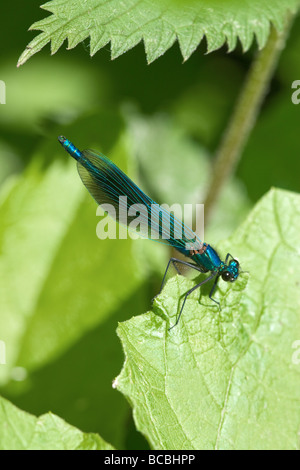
(245, 113)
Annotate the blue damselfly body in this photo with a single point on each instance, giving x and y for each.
(108, 185)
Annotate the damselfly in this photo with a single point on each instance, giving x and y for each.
(108, 185)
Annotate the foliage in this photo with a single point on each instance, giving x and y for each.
(158, 23)
(220, 379)
(22, 431)
(224, 379)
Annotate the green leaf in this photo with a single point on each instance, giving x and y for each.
(22, 431)
(224, 379)
(159, 23)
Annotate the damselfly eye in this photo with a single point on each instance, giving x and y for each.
(226, 276)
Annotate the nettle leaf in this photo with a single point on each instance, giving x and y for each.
(159, 23)
(225, 379)
(22, 431)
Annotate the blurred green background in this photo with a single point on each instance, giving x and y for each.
(62, 291)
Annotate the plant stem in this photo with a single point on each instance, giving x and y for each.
(244, 116)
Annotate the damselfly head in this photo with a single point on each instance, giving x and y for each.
(231, 273)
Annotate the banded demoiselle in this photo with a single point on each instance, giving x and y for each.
(107, 184)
